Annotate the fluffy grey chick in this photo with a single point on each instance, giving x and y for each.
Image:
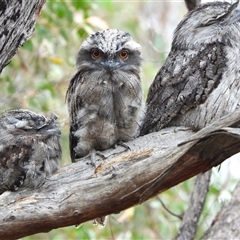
(105, 95)
(29, 149)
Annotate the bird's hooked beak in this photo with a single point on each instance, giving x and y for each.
(110, 65)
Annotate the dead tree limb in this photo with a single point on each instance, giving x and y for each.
(156, 162)
(17, 21)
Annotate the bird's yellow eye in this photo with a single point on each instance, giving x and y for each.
(96, 53)
(124, 54)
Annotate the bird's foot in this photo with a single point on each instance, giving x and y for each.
(122, 144)
(19, 182)
(93, 154)
(100, 220)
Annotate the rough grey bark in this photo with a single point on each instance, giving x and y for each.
(191, 4)
(17, 20)
(226, 223)
(189, 223)
(156, 162)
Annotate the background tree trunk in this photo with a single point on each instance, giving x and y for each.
(189, 223)
(226, 223)
(17, 23)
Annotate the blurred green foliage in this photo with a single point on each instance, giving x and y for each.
(37, 79)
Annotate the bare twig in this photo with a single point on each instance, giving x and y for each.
(169, 211)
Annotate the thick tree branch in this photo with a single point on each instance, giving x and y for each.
(79, 192)
(17, 20)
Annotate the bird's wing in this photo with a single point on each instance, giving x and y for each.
(12, 175)
(75, 102)
(184, 81)
(12, 153)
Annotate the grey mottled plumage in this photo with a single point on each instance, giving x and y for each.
(105, 95)
(200, 80)
(29, 149)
